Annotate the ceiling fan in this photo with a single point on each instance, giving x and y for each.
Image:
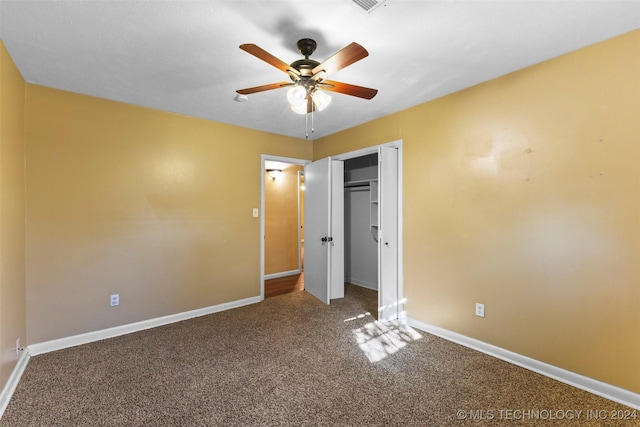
(308, 76)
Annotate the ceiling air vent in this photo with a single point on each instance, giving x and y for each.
(369, 5)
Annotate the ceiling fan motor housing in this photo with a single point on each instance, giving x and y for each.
(305, 66)
(306, 47)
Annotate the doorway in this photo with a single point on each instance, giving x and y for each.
(360, 238)
(282, 225)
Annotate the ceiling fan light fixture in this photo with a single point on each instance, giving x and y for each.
(321, 100)
(299, 109)
(297, 96)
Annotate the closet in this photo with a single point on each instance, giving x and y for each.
(361, 221)
(352, 228)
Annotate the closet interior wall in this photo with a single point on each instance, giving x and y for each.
(361, 246)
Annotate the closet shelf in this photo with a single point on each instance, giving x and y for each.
(358, 183)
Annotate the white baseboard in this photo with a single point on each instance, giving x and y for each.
(59, 344)
(12, 383)
(599, 388)
(281, 274)
(363, 283)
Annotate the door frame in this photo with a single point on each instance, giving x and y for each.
(300, 218)
(374, 149)
(264, 158)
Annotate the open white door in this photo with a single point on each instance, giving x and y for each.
(336, 226)
(324, 229)
(388, 233)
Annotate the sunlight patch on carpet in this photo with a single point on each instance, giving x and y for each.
(359, 316)
(381, 339)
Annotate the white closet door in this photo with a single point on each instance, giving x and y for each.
(388, 233)
(336, 227)
(324, 229)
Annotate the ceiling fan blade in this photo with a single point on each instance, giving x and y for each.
(250, 90)
(347, 56)
(348, 89)
(260, 53)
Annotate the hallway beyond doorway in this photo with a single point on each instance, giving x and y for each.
(287, 284)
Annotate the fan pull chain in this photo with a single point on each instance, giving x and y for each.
(306, 126)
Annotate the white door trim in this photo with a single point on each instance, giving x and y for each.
(300, 217)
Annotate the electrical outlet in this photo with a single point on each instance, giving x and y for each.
(18, 348)
(479, 309)
(114, 300)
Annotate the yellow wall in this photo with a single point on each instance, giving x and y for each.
(523, 193)
(12, 224)
(153, 206)
(281, 221)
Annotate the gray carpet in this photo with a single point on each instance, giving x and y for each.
(290, 360)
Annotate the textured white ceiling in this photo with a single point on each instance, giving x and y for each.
(183, 56)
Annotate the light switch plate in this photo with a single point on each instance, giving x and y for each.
(479, 309)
